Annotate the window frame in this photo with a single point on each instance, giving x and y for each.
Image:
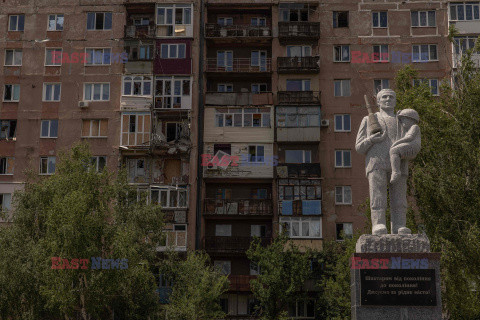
(286, 220)
(47, 158)
(8, 170)
(341, 46)
(50, 123)
(168, 190)
(303, 84)
(172, 98)
(419, 20)
(4, 207)
(8, 124)
(341, 87)
(288, 123)
(91, 126)
(85, 84)
(14, 53)
(132, 82)
(13, 85)
(304, 156)
(17, 23)
(348, 236)
(53, 63)
(259, 85)
(177, 45)
(56, 22)
(381, 85)
(475, 11)
(94, 160)
(417, 82)
(343, 202)
(335, 19)
(343, 152)
(381, 54)
(92, 56)
(226, 85)
(420, 52)
(221, 117)
(379, 19)
(343, 117)
(53, 84)
(256, 157)
(104, 19)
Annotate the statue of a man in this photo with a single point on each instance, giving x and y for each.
(376, 147)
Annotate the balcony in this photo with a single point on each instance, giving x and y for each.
(133, 31)
(238, 98)
(240, 283)
(213, 30)
(298, 97)
(294, 32)
(298, 170)
(239, 65)
(298, 64)
(231, 244)
(238, 207)
(300, 207)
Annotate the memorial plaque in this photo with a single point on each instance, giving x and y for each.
(398, 287)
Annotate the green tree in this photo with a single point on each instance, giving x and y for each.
(197, 287)
(78, 213)
(283, 272)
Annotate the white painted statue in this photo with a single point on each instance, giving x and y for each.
(388, 141)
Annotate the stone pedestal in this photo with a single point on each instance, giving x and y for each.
(395, 277)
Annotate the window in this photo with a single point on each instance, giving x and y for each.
(16, 22)
(259, 87)
(462, 44)
(432, 83)
(340, 19)
(55, 22)
(6, 165)
(342, 123)
(11, 93)
(96, 92)
(343, 195)
(256, 153)
(225, 21)
(51, 91)
(225, 60)
(170, 197)
(227, 148)
(141, 21)
(8, 129)
(135, 129)
(342, 88)
(380, 53)
(302, 309)
(136, 168)
(49, 129)
(464, 11)
(47, 165)
(13, 57)
(258, 230)
(224, 87)
(298, 156)
(137, 86)
(424, 52)
(258, 22)
(174, 19)
(94, 128)
(5, 201)
(139, 50)
(379, 19)
(98, 162)
(173, 51)
(344, 231)
(173, 131)
(293, 12)
(294, 117)
(341, 53)
(242, 117)
(98, 56)
(299, 51)
(259, 59)
(225, 267)
(172, 92)
(53, 57)
(224, 305)
(380, 84)
(298, 85)
(296, 189)
(254, 269)
(300, 227)
(223, 230)
(99, 21)
(423, 18)
(343, 159)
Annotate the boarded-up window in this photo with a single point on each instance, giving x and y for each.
(135, 129)
(94, 127)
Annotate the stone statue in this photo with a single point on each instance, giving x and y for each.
(387, 154)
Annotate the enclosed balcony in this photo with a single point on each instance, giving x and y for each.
(238, 245)
(298, 64)
(238, 98)
(296, 32)
(240, 283)
(238, 207)
(139, 31)
(214, 30)
(245, 65)
(298, 97)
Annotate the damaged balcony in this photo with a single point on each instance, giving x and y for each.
(298, 170)
(140, 56)
(298, 97)
(298, 64)
(298, 32)
(238, 98)
(140, 20)
(238, 245)
(171, 136)
(238, 207)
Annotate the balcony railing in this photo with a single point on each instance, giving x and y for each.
(238, 207)
(297, 64)
(213, 30)
(303, 30)
(139, 31)
(240, 283)
(300, 169)
(239, 65)
(298, 97)
(231, 244)
(238, 98)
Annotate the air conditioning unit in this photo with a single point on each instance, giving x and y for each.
(325, 123)
(83, 104)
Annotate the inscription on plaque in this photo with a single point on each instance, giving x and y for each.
(398, 287)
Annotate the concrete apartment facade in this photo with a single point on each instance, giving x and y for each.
(275, 87)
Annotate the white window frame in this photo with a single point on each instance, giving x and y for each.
(185, 7)
(417, 82)
(261, 60)
(56, 16)
(14, 88)
(302, 221)
(379, 14)
(169, 46)
(15, 52)
(347, 236)
(382, 57)
(90, 57)
(18, 22)
(92, 99)
(52, 62)
(304, 83)
(173, 96)
(48, 169)
(138, 171)
(303, 303)
(416, 21)
(382, 85)
(232, 113)
(6, 128)
(342, 153)
(304, 155)
(95, 162)
(341, 53)
(167, 191)
(343, 118)
(52, 98)
(429, 46)
(95, 20)
(5, 207)
(305, 51)
(7, 168)
(92, 124)
(475, 11)
(289, 113)
(132, 79)
(469, 42)
(342, 89)
(227, 63)
(50, 123)
(342, 191)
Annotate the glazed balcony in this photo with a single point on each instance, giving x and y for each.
(298, 170)
(139, 31)
(231, 244)
(294, 32)
(238, 98)
(240, 283)
(214, 30)
(238, 207)
(298, 65)
(298, 97)
(240, 65)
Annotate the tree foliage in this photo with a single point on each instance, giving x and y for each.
(78, 213)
